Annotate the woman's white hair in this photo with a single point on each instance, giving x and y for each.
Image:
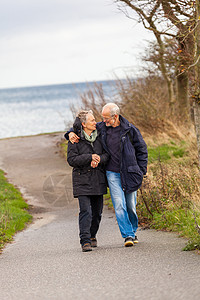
(113, 108)
(83, 115)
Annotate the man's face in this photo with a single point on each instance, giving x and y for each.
(107, 118)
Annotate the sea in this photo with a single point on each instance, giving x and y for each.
(42, 109)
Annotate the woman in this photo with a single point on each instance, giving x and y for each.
(88, 160)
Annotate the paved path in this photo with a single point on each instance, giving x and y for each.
(45, 261)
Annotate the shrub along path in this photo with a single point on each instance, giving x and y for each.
(45, 260)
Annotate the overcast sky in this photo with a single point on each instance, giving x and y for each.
(65, 41)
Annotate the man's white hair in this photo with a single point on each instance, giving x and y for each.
(113, 108)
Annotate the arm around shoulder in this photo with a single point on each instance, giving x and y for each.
(66, 135)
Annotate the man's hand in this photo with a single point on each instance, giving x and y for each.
(73, 138)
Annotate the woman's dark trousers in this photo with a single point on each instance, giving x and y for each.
(89, 216)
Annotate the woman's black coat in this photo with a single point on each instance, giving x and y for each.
(87, 180)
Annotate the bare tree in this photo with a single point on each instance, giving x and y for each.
(172, 18)
(178, 19)
(197, 77)
(151, 56)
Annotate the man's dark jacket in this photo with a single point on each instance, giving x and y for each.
(133, 154)
(87, 180)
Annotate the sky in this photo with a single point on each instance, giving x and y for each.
(46, 42)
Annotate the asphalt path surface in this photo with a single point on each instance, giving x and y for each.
(45, 261)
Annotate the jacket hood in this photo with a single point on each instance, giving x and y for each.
(77, 127)
(125, 124)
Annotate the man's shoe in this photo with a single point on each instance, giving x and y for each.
(128, 242)
(93, 242)
(135, 240)
(86, 247)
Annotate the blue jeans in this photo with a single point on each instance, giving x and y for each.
(124, 205)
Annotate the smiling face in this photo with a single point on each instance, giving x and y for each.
(108, 119)
(90, 125)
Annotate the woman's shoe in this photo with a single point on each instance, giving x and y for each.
(86, 247)
(93, 242)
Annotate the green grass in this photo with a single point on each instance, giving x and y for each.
(107, 200)
(13, 211)
(64, 146)
(166, 151)
(181, 221)
(175, 182)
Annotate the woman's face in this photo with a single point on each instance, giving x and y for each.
(90, 123)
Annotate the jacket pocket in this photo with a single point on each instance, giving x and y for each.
(81, 178)
(101, 176)
(135, 174)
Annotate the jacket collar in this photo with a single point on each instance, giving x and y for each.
(77, 127)
(125, 124)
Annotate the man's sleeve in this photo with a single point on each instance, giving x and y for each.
(104, 158)
(66, 135)
(140, 150)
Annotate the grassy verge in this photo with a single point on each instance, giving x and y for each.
(169, 197)
(63, 147)
(13, 211)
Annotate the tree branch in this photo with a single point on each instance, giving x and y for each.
(172, 17)
(178, 9)
(155, 9)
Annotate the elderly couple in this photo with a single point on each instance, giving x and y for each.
(114, 152)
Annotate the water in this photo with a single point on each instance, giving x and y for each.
(34, 110)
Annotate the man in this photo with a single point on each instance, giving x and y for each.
(125, 168)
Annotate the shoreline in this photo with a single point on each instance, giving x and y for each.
(32, 135)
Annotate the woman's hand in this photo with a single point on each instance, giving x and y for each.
(95, 160)
(73, 138)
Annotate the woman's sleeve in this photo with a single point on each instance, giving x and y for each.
(75, 159)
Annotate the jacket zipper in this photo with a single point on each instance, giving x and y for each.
(120, 147)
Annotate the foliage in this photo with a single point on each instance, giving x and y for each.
(165, 152)
(152, 57)
(166, 199)
(13, 211)
(94, 98)
(143, 102)
(63, 146)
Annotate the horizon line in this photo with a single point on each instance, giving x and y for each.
(53, 84)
